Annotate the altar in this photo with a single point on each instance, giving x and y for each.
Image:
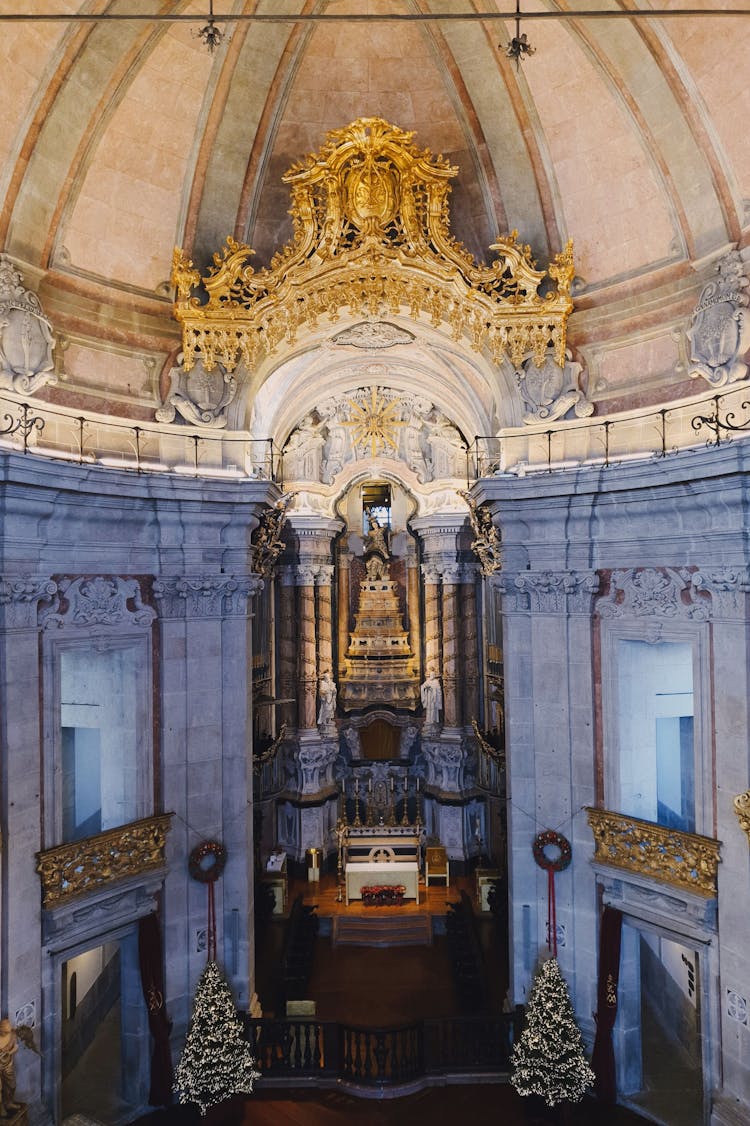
(390, 873)
(382, 855)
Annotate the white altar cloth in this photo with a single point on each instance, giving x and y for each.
(368, 873)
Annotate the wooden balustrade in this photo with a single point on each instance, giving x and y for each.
(305, 1048)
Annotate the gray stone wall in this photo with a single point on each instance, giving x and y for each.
(185, 543)
(567, 536)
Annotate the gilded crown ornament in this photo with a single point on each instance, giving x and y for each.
(372, 240)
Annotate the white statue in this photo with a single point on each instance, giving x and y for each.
(432, 699)
(304, 451)
(448, 452)
(327, 690)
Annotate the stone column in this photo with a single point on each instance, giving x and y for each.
(432, 648)
(307, 681)
(206, 722)
(550, 741)
(731, 734)
(287, 646)
(344, 596)
(451, 696)
(20, 689)
(412, 603)
(323, 581)
(469, 641)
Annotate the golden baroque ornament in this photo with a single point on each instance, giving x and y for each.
(372, 239)
(82, 866)
(742, 809)
(684, 860)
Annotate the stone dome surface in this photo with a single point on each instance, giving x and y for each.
(121, 139)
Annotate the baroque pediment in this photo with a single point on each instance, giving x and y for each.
(371, 241)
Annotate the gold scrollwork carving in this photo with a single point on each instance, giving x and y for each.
(372, 236)
(83, 866)
(487, 545)
(684, 860)
(742, 809)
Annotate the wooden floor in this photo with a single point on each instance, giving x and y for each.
(380, 986)
(485, 1105)
(432, 899)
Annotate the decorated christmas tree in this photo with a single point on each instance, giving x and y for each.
(548, 1059)
(216, 1062)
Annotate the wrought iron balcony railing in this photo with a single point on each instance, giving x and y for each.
(73, 869)
(683, 860)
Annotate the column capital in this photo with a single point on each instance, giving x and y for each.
(205, 596)
(20, 598)
(549, 592)
(324, 574)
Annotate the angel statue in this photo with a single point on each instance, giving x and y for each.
(9, 1037)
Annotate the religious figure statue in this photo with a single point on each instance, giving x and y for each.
(376, 551)
(9, 1037)
(327, 691)
(375, 540)
(448, 452)
(432, 699)
(303, 452)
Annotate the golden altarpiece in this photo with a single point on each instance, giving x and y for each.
(376, 654)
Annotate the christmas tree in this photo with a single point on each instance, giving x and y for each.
(548, 1060)
(216, 1062)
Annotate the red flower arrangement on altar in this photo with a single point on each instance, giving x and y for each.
(383, 895)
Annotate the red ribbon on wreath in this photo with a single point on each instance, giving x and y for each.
(205, 864)
(552, 864)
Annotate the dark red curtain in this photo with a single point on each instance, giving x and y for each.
(152, 983)
(603, 1059)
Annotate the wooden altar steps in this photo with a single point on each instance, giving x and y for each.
(381, 930)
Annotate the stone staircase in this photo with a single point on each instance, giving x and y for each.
(381, 930)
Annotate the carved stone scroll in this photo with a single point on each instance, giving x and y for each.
(662, 592)
(102, 600)
(208, 596)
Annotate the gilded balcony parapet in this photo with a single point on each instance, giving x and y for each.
(684, 860)
(73, 869)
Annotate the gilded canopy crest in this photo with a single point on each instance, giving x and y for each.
(372, 239)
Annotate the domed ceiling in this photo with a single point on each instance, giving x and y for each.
(121, 139)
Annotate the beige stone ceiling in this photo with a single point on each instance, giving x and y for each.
(119, 140)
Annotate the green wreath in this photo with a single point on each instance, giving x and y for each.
(203, 873)
(550, 837)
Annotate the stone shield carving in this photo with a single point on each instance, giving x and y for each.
(719, 332)
(26, 339)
